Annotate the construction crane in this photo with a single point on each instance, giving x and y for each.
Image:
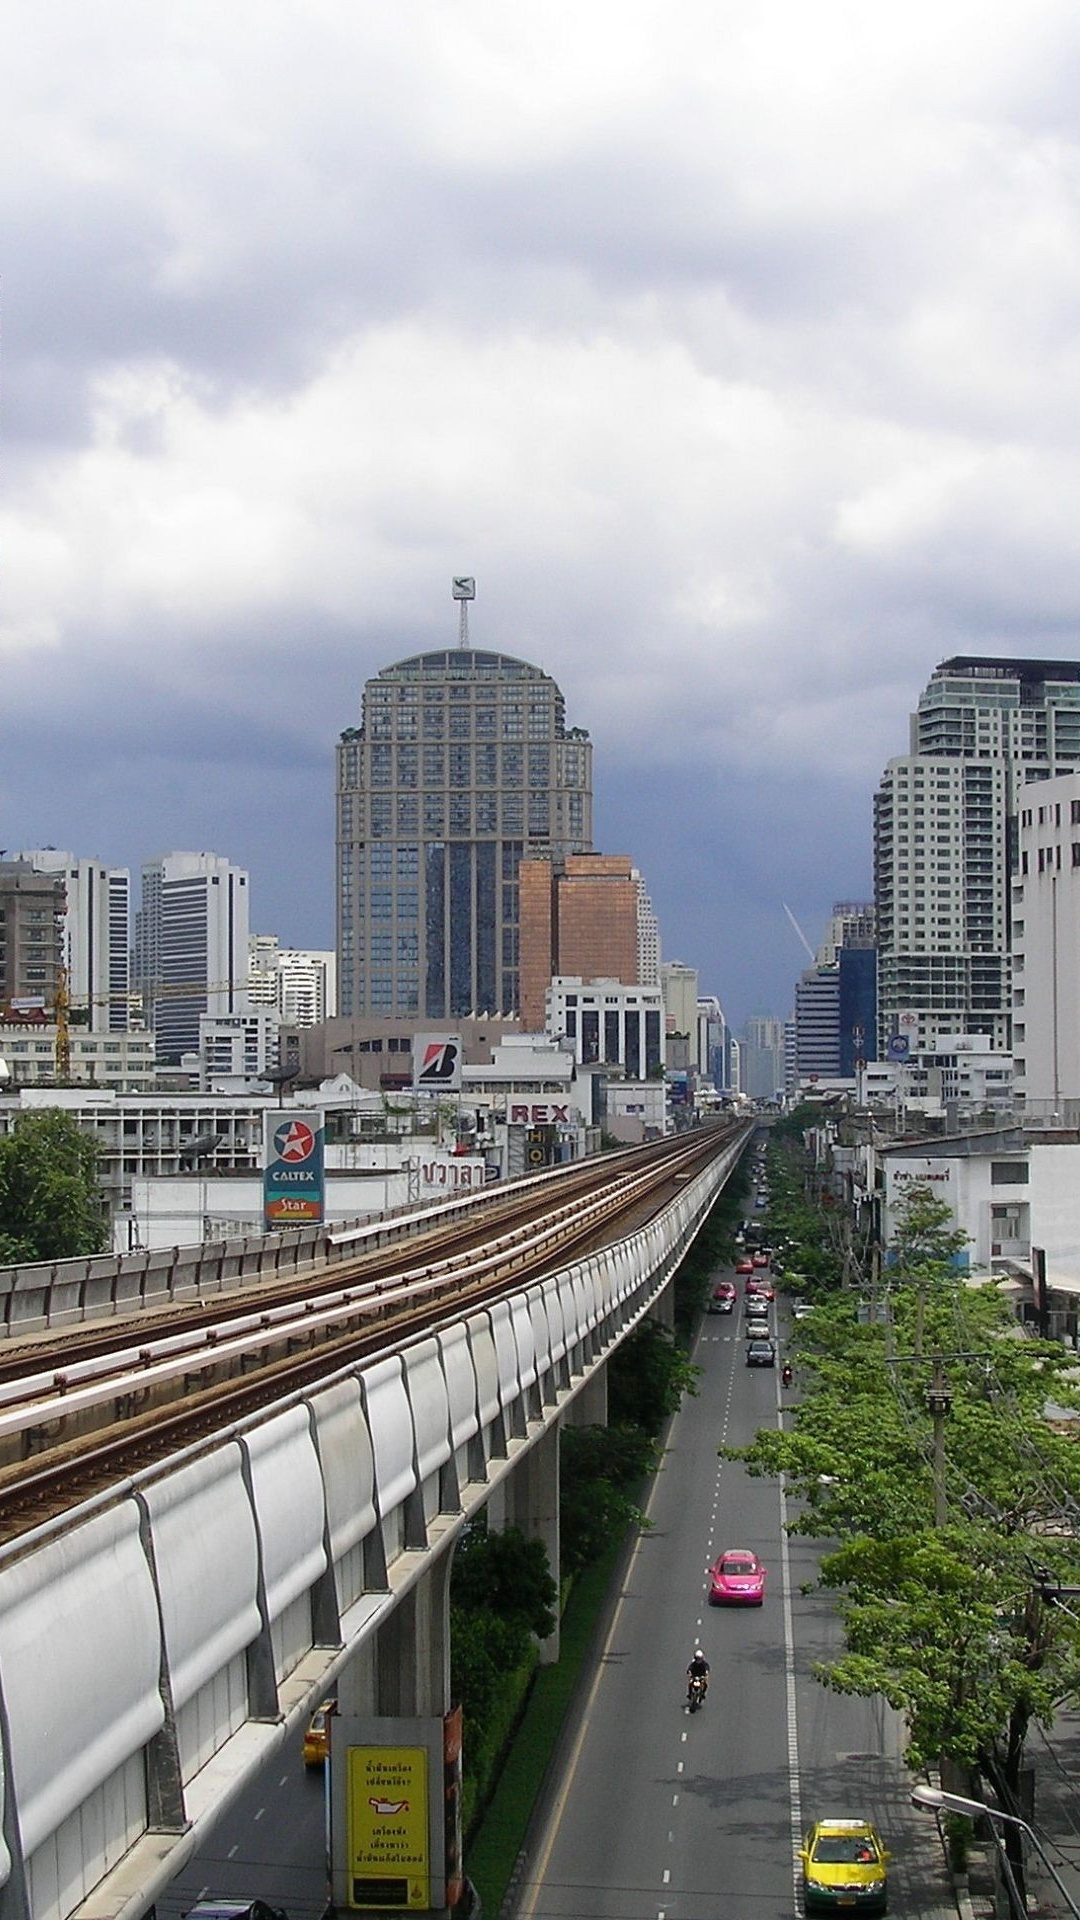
(64, 1005)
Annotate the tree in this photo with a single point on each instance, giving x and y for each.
(50, 1201)
(508, 1575)
(647, 1377)
(945, 1622)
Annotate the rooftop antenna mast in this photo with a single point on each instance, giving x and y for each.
(463, 590)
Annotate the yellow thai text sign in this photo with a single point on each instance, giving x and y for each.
(387, 1799)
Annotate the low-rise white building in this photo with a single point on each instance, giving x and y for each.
(1011, 1191)
(963, 1072)
(121, 1061)
(236, 1050)
(603, 1022)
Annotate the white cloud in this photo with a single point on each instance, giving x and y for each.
(732, 348)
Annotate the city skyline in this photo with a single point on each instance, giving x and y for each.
(734, 360)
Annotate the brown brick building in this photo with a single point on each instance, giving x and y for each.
(578, 916)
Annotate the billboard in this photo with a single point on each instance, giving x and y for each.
(436, 1062)
(386, 1817)
(294, 1183)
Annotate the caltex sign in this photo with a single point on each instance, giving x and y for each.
(294, 1188)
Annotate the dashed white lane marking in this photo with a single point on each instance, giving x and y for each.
(682, 1736)
(667, 1876)
(233, 1850)
(789, 1680)
(284, 1781)
(680, 1766)
(260, 1813)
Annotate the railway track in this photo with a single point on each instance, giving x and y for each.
(90, 1407)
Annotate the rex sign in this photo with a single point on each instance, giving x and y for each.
(293, 1179)
(541, 1113)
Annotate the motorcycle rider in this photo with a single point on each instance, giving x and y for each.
(698, 1670)
(786, 1374)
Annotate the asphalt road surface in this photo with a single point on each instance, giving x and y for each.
(663, 1815)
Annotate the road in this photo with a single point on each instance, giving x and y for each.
(661, 1815)
(271, 1845)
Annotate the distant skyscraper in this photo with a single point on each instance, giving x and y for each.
(761, 1055)
(191, 946)
(578, 916)
(852, 924)
(943, 818)
(649, 953)
(31, 935)
(97, 936)
(461, 767)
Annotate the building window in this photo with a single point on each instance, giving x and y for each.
(1008, 1173)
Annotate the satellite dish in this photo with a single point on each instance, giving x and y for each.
(200, 1148)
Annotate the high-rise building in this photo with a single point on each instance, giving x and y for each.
(762, 1057)
(1046, 949)
(649, 954)
(97, 936)
(944, 820)
(461, 767)
(191, 946)
(851, 924)
(817, 1023)
(31, 936)
(299, 984)
(679, 986)
(578, 916)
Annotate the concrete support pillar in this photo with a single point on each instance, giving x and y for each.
(534, 1508)
(589, 1407)
(405, 1669)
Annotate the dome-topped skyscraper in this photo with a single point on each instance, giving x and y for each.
(461, 766)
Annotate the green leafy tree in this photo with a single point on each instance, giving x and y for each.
(50, 1200)
(943, 1621)
(599, 1470)
(647, 1378)
(508, 1575)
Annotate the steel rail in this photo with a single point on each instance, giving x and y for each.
(68, 1347)
(45, 1396)
(51, 1481)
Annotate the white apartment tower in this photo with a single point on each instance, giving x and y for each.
(298, 983)
(1046, 949)
(648, 935)
(96, 936)
(943, 816)
(191, 946)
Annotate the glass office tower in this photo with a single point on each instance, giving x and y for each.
(461, 766)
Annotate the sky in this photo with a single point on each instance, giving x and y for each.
(733, 349)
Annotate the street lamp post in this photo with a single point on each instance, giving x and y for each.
(937, 1801)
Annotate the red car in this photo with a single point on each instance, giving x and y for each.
(760, 1259)
(745, 1265)
(736, 1579)
(760, 1290)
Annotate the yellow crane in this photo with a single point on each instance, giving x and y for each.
(64, 1005)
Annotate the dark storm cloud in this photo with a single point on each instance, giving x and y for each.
(733, 351)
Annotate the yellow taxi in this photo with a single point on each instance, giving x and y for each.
(317, 1737)
(844, 1865)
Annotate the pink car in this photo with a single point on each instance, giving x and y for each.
(736, 1579)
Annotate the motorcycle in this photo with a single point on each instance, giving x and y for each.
(786, 1375)
(695, 1692)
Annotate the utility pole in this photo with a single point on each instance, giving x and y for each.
(939, 1403)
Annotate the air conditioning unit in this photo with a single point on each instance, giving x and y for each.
(995, 1247)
